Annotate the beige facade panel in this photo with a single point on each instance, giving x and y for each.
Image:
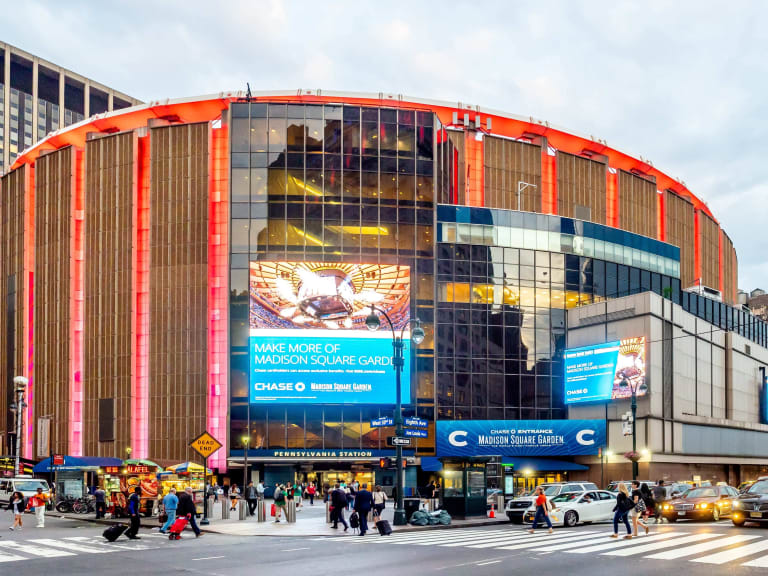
(680, 232)
(709, 250)
(638, 206)
(581, 184)
(507, 164)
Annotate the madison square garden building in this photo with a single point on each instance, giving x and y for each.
(209, 263)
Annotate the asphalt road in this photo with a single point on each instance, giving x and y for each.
(67, 547)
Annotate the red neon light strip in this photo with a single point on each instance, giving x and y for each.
(612, 197)
(77, 275)
(218, 291)
(28, 450)
(661, 215)
(475, 169)
(696, 248)
(455, 179)
(548, 179)
(140, 301)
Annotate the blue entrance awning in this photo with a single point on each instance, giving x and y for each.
(542, 464)
(77, 463)
(431, 464)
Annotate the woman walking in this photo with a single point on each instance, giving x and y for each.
(623, 505)
(234, 492)
(542, 510)
(16, 505)
(640, 508)
(379, 501)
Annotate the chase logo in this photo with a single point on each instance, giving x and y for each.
(458, 438)
(585, 437)
(300, 386)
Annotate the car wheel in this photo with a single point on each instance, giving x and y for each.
(739, 522)
(715, 514)
(570, 519)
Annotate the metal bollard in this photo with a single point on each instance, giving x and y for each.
(328, 512)
(224, 509)
(242, 510)
(208, 508)
(261, 511)
(290, 511)
(500, 504)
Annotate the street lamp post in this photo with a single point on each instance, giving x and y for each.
(246, 440)
(398, 362)
(20, 383)
(634, 388)
(521, 186)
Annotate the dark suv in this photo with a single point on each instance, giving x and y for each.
(752, 505)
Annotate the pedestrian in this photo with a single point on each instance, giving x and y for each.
(187, 508)
(311, 490)
(650, 503)
(101, 502)
(659, 496)
(17, 506)
(542, 510)
(298, 493)
(430, 490)
(260, 490)
(338, 503)
(170, 504)
(234, 492)
(250, 497)
(636, 513)
(379, 500)
(279, 496)
(37, 503)
(350, 492)
(134, 507)
(289, 491)
(363, 505)
(623, 505)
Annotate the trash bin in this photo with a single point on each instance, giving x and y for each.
(261, 511)
(410, 505)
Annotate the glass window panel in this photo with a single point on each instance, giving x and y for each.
(405, 187)
(240, 138)
(295, 185)
(240, 235)
(277, 140)
(351, 137)
(314, 136)
(388, 139)
(258, 235)
(424, 189)
(370, 138)
(241, 185)
(258, 135)
(369, 185)
(258, 185)
(406, 140)
(424, 139)
(332, 136)
(295, 136)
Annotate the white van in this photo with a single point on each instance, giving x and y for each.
(25, 484)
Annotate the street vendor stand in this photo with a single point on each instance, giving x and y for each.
(119, 482)
(184, 475)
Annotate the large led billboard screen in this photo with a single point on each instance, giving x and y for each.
(308, 339)
(595, 373)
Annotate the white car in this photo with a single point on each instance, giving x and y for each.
(581, 507)
(518, 508)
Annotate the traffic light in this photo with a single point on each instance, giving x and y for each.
(385, 463)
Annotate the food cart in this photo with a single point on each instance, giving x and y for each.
(119, 483)
(184, 475)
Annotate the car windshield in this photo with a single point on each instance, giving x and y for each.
(701, 493)
(759, 487)
(30, 485)
(551, 490)
(566, 497)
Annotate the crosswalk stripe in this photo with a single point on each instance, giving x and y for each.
(761, 562)
(72, 546)
(483, 538)
(537, 542)
(432, 539)
(120, 545)
(734, 553)
(419, 536)
(5, 557)
(35, 550)
(698, 548)
(624, 543)
(643, 548)
(574, 542)
(497, 542)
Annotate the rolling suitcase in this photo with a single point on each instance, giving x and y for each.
(177, 528)
(114, 532)
(384, 528)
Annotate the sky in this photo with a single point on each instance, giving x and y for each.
(680, 83)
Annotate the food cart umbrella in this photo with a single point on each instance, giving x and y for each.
(188, 467)
(139, 462)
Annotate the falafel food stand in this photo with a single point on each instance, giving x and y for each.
(133, 474)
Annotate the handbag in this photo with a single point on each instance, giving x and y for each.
(163, 518)
(273, 510)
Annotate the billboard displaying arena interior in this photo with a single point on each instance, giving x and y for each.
(308, 339)
(595, 373)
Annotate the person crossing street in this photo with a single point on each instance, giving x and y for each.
(363, 505)
(542, 510)
(187, 508)
(134, 506)
(37, 503)
(170, 504)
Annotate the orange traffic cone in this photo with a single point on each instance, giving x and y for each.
(493, 512)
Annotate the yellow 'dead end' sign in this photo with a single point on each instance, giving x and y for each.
(205, 445)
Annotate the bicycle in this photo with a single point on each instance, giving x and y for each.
(65, 505)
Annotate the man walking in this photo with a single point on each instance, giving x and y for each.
(186, 507)
(363, 505)
(659, 495)
(101, 502)
(250, 497)
(170, 504)
(260, 490)
(339, 502)
(134, 506)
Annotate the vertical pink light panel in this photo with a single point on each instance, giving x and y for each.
(77, 275)
(218, 291)
(28, 286)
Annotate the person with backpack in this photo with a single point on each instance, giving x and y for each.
(542, 510)
(279, 496)
(623, 505)
(17, 506)
(338, 503)
(637, 512)
(363, 505)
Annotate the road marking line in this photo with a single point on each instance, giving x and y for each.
(624, 543)
(761, 562)
(208, 558)
(496, 542)
(482, 539)
(422, 536)
(10, 557)
(733, 553)
(36, 550)
(570, 541)
(705, 547)
(71, 546)
(643, 548)
(538, 542)
(489, 562)
(294, 549)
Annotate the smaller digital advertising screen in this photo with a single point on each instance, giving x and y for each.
(595, 373)
(309, 342)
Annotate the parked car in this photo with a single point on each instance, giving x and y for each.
(585, 507)
(705, 503)
(25, 484)
(744, 486)
(752, 505)
(517, 507)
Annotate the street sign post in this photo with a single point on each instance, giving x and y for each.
(398, 441)
(205, 445)
(381, 422)
(416, 433)
(416, 423)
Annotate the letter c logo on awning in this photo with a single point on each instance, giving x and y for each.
(453, 438)
(581, 437)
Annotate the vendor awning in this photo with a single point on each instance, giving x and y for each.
(187, 467)
(76, 463)
(431, 464)
(541, 464)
